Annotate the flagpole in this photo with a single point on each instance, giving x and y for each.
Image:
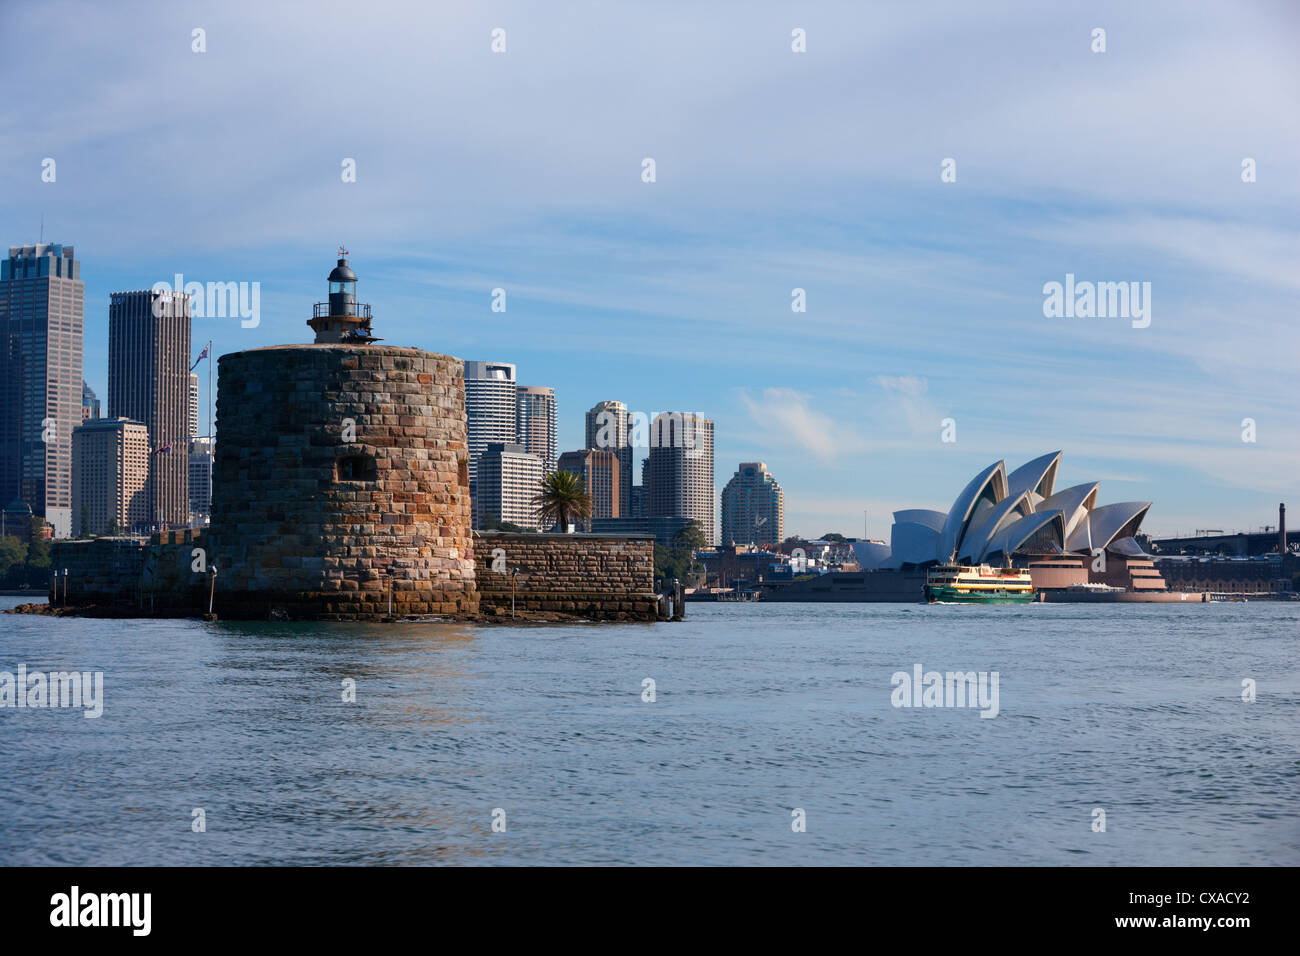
(211, 397)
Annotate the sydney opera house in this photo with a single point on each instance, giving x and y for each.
(1020, 518)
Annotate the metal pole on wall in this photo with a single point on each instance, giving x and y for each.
(212, 588)
(65, 587)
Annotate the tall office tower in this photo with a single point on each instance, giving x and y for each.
(536, 422)
(200, 481)
(600, 476)
(681, 470)
(42, 302)
(607, 428)
(89, 403)
(508, 480)
(110, 477)
(149, 382)
(491, 411)
(753, 507)
(194, 405)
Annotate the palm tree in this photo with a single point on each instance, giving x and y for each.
(562, 499)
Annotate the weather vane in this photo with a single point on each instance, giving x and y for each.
(343, 253)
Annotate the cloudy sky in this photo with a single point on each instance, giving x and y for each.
(775, 170)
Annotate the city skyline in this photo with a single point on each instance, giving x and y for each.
(924, 298)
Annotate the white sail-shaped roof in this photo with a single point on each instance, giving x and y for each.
(1120, 520)
(1074, 503)
(1038, 476)
(990, 486)
(997, 513)
(1018, 532)
(986, 524)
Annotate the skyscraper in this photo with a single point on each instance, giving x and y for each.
(607, 428)
(89, 403)
(200, 479)
(599, 471)
(110, 474)
(42, 308)
(681, 470)
(149, 382)
(508, 480)
(194, 405)
(491, 409)
(536, 422)
(753, 507)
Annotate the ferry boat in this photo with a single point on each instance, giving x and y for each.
(959, 584)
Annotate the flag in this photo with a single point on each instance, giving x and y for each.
(202, 356)
(164, 450)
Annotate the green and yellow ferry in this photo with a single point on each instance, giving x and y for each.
(959, 584)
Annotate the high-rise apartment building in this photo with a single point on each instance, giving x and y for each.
(536, 424)
(608, 429)
(42, 308)
(89, 403)
(600, 477)
(491, 408)
(508, 480)
(149, 382)
(753, 507)
(681, 470)
(110, 477)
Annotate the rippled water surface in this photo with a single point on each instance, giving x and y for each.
(760, 709)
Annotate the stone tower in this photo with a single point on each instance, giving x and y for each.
(341, 474)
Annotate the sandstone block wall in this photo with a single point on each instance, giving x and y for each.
(309, 523)
(100, 571)
(601, 577)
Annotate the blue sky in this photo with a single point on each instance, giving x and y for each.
(775, 170)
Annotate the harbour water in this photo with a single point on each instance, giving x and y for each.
(758, 711)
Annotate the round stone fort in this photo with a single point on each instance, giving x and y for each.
(341, 476)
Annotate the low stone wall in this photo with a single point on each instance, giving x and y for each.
(599, 577)
(100, 571)
(152, 575)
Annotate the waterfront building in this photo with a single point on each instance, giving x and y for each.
(1021, 517)
(607, 428)
(110, 477)
(42, 302)
(599, 470)
(200, 481)
(730, 565)
(491, 408)
(508, 480)
(753, 507)
(149, 382)
(681, 470)
(536, 422)
(89, 403)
